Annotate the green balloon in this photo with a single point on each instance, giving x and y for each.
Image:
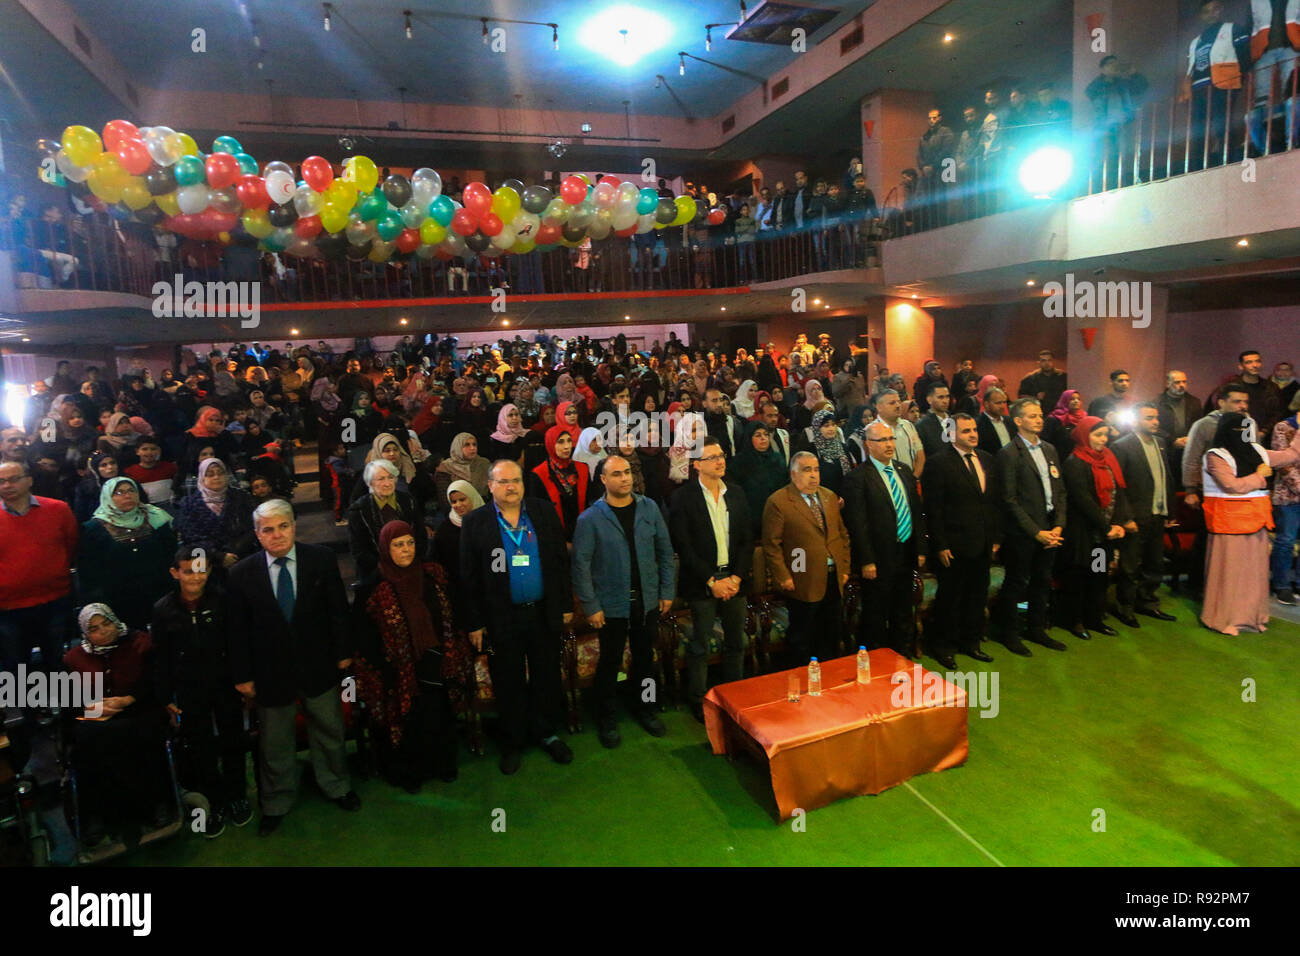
(389, 227)
(374, 206)
(441, 210)
(189, 171)
(247, 164)
(226, 144)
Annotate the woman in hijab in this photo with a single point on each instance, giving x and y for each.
(462, 497)
(1099, 518)
(567, 416)
(464, 464)
(526, 401)
(368, 515)
(652, 452)
(102, 466)
(125, 553)
(1238, 517)
(768, 377)
(119, 440)
(565, 390)
(412, 667)
(803, 413)
(209, 429)
(122, 776)
(861, 417)
(369, 422)
(589, 449)
(743, 403)
(217, 517)
(535, 440)
(562, 479)
(847, 387)
(834, 457)
(761, 472)
(690, 432)
(411, 478)
(474, 417)
(506, 441)
(1058, 427)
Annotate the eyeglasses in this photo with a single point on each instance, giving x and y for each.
(714, 458)
(890, 438)
(13, 481)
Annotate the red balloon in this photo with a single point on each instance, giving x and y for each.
(408, 241)
(573, 190)
(223, 170)
(201, 225)
(464, 222)
(308, 227)
(477, 198)
(491, 224)
(547, 234)
(629, 231)
(717, 217)
(116, 131)
(440, 253)
(133, 156)
(612, 180)
(317, 173)
(252, 192)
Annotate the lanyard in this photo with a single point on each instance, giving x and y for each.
(516, 535)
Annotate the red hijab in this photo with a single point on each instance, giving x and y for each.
(1106, 473)
(574, 430)
(426, 419)
(203, 424)
(408, 585)
(1062, 411)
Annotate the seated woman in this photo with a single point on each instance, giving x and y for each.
(119, 440)
(463, 464)
(412, 666)
(463, 499)
(1099, 518)
(411, 478)
(217, 517)
(508, 439)
(368, 515)
(118, 750)
(101, 466)
(126, 552)
(561, 480)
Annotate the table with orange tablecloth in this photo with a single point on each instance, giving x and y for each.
(850, 741)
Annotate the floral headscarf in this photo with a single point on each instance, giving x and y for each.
(829, 449)
(83, 622)
(108, 513)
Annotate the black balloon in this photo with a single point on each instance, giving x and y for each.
(150, 214)
(332, 247)
(160, 180)
(281, 216)
(514, 184)
(573, 233)
(357, 253)
(478, 242)
(397, 190)
(535, 199)
(665, 212)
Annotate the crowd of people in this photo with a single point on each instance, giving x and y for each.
(495, 495)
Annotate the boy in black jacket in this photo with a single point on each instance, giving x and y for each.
(193, 679)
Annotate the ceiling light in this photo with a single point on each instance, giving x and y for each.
(947, 38)
(708, 39)
(1243, 242)
(586, 127)
(257, 41)
(505, 321)
(403, 321)
(485, 32)
(1030, 282)
(407, 14)
(626, 317)
(744, 10)
(681, 66)
(826, 307)
(293, 331)
(260, 63)
(555, 37)
(26, 339)
(817, 301)
(915, 296)
(328, 7)
(625, 33)
(724, 308)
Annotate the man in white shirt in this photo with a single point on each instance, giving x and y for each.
(907, 443)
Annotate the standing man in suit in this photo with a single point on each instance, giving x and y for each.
(288, 638)
(713, 538)
(933, 423)
(721, 423)
(995, 428)
(1144, 460)
(806, 546)
(1034, 496)
(516, 596)
(779, 436)
(964, 501)
(886, 532)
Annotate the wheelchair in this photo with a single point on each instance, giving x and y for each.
(23, 841)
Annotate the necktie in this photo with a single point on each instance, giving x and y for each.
(815, 504)
(901, 509)
(970, 464)
(284, 589)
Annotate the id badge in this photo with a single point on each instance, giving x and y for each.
(519, 561)
(1052, 470)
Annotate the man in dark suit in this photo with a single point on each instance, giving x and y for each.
(714, 541)
(995, 428)
(1144, 459)
(964, 502)
(722, 424)
(934, 423)
(516, 593)
(806, 547)
(288, 638)
(886, 531)
(1034, 495)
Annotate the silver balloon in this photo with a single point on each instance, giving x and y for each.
(71, 171)
(426, 185)
(412, 214)
(224, 200)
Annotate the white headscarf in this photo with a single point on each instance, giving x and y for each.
(582, 453)
(469, 491)
(742, 404)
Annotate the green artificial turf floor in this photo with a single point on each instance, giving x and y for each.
(1148, 727)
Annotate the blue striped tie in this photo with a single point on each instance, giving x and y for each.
(900, 505)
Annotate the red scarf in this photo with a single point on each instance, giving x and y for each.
(1106, 473)
(408, 583)
(1062, 411)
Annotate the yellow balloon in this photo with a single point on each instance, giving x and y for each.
(177, 145)
(523, 246)
(332, 218)
(380, 251)
(506, 203)
(105, 185)
(341, 193)
(256, 223)
(81, 144)
(106, 164)
(167, 203)
(135, 195)
(432, 232)
(362, 172)
(685, 210)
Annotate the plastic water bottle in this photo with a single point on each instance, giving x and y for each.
(864, 666)
(814, 678)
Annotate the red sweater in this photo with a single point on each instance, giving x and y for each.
(37, 551)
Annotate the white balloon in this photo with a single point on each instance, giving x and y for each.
(426, 185)
(645, 223)
(624, 218)
(277, 167)
(412, 214)
(505, 238)
(599, 228)
(192, 199)
(525, 225)
(71, 171)
(306, 201)
(280, 186)
(604, 195)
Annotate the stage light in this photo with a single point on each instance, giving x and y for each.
(485, 32)
(708, 39)
(555, 37)
(1030, 282)
(1046, 170)
(1243, 242)
(328, 7)
(293, 331)
(681, 65)
(625, 34)
(407, 14)
(947, 38)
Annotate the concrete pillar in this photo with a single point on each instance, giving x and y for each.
(1117, 344)
(892, 124)
(909, 338)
